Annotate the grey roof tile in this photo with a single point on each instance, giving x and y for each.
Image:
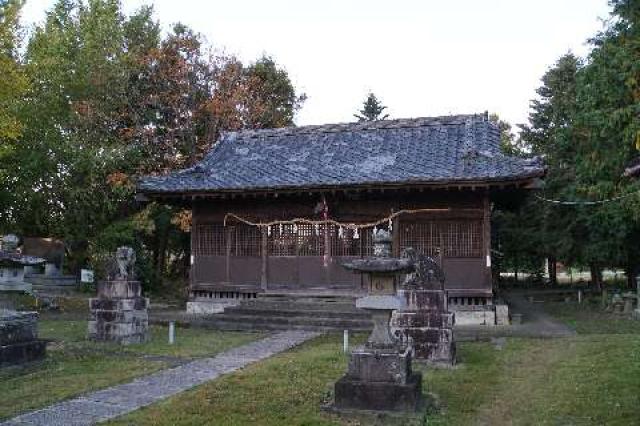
(451, 149)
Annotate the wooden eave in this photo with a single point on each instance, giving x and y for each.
(530, 182)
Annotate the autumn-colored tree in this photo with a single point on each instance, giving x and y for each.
(110, 99)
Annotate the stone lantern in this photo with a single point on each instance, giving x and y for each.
(380, 376)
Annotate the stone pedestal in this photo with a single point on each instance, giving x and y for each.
(119, 313)
(19, 341)
(427, 323)
(379, 380)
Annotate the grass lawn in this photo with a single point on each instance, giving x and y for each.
(589, 379)
(74, 366)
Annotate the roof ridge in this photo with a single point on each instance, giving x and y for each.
(397, 123)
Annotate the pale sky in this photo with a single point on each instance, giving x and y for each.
(421, 58)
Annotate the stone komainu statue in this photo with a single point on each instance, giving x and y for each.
(426, 274)
(122, 265)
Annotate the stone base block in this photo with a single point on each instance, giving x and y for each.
(482, 316)
(120, 332)
(119, 289)
(109, 316)
(205, 307)
(379, 396)
(375, 365)
(132, 304)
(438, 352)
(17, 327)
(636, 314)
(18, 353)
(502, 314)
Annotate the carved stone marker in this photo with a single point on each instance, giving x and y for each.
(379, 377)
(426, 320)
(119, 313)
(19, 341)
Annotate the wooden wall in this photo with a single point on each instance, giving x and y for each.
(245, 256)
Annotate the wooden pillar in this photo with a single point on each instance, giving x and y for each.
(192, 251)
(228, 237)
(486, 230)
(265, 259)
(395, 236)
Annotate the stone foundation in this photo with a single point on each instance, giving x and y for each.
(205, 302)
(379, 378)
(19, 338)
(119, 313)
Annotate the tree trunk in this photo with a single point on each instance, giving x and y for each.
(631, 271)
(553, 270)
(596, 276)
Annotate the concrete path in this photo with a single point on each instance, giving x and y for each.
(118, 400)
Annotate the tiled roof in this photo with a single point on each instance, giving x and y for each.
(437, 150)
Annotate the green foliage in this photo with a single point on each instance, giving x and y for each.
(99, 98)
(372, 109)
(586, 124)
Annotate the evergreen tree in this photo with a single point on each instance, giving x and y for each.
(372, 109)
(608, 127)
(550, 134)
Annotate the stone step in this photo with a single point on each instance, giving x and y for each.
(51, 280)
(234, 325)
(255, 323)
(299, 320)
(317, 312)
(278, 305)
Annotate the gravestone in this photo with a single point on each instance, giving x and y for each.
(19, 341)
(119, 313)
(425, 321)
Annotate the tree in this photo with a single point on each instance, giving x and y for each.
(256, 96)
(109, 99)
(372, 109)
(608, 126)
(550, 134)
(13, 83)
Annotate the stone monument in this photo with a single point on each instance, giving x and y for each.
(19, 341)
(426, 320)
(379, 377)
(119, 313)
(13, 265)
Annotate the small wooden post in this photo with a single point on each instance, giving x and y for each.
(172, 332)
